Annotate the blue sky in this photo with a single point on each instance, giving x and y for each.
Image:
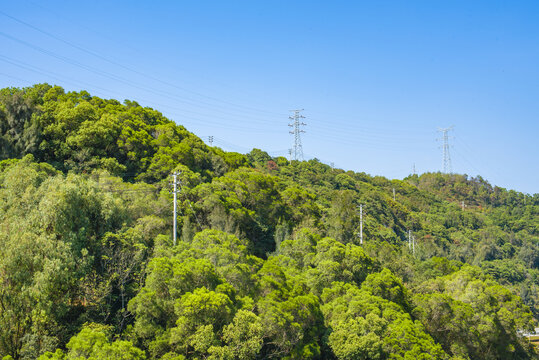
(376, 78)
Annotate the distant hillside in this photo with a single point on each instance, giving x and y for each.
(269, 262)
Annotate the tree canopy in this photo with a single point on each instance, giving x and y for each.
(269, 262)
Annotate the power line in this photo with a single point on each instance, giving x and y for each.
(138, 52)
(338, 135)
(101, 57)
(471, 153)
(139, 86)
(298, 148)
(392, 133)
(228, 145)
(149, 191)
(348, 139)
(178, 112)
(181, 112)
(276, 153)
(41, 71)
(185, 117)
(14, 77)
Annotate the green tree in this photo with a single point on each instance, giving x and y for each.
(93, 343)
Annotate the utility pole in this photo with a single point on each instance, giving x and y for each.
(462, 205)
(446, 156)
(298, 149)
(410, 239)
(290, 154)
(210, 140)
(174, 220)
(361, 224)
(413, 245)
(393, 194)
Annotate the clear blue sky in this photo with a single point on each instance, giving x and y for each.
(376, 78)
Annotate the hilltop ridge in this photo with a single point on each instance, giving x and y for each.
(269, 264)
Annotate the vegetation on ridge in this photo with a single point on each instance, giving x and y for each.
(268, 264)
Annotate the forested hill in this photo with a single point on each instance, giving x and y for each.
(268, 263)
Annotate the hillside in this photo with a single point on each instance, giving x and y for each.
(269, 262)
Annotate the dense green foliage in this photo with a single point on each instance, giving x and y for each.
(268, 264)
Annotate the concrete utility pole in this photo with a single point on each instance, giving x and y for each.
(410, 239)
(393, 194)
(210, 140)
(446, 156)
(361, 224)
(174, 220)
(298, 149)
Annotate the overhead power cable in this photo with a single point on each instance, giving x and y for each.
(35, 69)
(342, 134)
(185, 113)
(362, 133)
(99, 56)
(105, 74)
(13, 77)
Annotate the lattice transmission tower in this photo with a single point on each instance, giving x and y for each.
(297, 151)
(446, 162)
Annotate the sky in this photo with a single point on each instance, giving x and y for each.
(376, 79)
